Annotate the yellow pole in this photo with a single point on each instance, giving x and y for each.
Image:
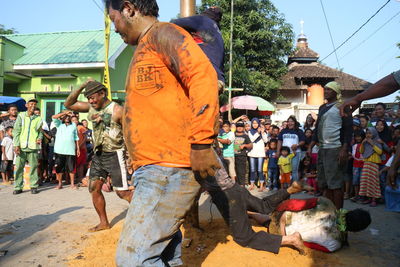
(106, 75)
(188, 8)
(230, 68)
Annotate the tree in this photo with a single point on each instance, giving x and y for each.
(6, 31)
(262, 41)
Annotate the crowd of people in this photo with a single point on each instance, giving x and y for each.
(55, 152)
(270, 156)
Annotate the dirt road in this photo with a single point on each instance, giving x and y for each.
(50, 229)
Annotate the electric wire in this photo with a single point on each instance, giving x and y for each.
(101, 9)
(387, 49)
(330, 34)
(372, 34)
(362, 26)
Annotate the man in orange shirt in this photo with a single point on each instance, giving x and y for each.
(172, 84)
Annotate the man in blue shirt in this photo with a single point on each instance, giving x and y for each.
(206, 32)
(65, 147)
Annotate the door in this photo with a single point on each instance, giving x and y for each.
(52, 107)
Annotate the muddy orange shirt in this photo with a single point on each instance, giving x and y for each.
(171, 98)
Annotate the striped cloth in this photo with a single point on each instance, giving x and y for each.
(369, 182)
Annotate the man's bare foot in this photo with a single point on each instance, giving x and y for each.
(294, 240)
(74, 187)
(99, 227)
(295, 187)
(58, 186)
(251, 187)
(298, 186)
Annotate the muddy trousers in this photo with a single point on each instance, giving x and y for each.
(233, 204)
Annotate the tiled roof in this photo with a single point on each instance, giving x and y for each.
(304, 52)
(64, 47)
(309, 73)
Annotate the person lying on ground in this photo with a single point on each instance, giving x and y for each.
(233, 202)
(320, 224)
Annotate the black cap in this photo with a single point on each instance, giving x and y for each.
(94, 87)
(240, 124)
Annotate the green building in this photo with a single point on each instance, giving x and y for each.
(49, 65)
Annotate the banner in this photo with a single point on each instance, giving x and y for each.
(106, 75)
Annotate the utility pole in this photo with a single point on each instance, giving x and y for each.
(188, 8)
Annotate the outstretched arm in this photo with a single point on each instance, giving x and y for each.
(72, 102)
(383, 87)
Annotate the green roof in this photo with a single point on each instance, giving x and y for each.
(64, 47)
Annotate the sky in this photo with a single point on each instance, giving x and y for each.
(370, 54)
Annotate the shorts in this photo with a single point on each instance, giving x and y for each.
(65, 163)
(330, 172)
(111, 164)
(285, 178)
(7, 166)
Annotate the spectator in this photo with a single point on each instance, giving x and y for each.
(284, 125)
(258, 137)
(8, 119)
(274, 132)
(309, 173)
(385, 139)
(273, 169)
(371, 150)
(27, 142)
(66, 147)
(380, 114)
(358, 163)
(227, 139)
(82, 158)
(334, 134)
(293, 138)
(89, 139)
(7, 156)
(241, 146)
(364, 122)
(247, 127)
(285, 165)
(310, 122)
(383, 87)
(43, 152)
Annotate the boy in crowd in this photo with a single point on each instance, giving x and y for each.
(273, 169)
(285, 166)
(7, 156)
(241, 146)
(227, 139)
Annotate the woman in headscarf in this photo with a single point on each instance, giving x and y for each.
(258, 137)
(386, 141)
(371, 150)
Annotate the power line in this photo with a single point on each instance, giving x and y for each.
(330, 34)
(387, 49)
(354, 48)
(365, 23)
(101, 9)
(393, 56)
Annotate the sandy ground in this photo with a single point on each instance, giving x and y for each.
(50, 229)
